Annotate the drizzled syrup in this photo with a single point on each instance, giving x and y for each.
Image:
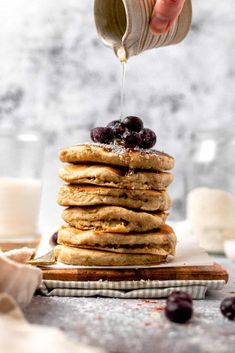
(121, 53)
(122, 96)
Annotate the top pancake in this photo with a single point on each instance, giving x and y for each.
(117, 155)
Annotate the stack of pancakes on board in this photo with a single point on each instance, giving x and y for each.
(117, 206)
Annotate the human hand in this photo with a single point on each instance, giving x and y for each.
(164, 14)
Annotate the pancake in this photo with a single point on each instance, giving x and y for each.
(104, 175)
(161, 242)
(117, 155)
(149, 200)
(87, 257)
(112, 219)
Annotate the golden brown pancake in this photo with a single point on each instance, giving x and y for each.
(160, 242)
(117, 155)
(87, 257)
(149, 200)
(112, 219)
(115, 177)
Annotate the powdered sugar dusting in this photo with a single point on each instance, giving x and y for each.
(119, 149)
(135, 325)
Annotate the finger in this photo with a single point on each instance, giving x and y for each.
(164, 14)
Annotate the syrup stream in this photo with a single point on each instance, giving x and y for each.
(121, 54)
(122, 97)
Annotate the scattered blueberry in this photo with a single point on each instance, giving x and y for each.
(227, 308)
(54, 239)
(131, 139)
(133, 123)
(179, 311)
(148, 138)
(118, 128)
(102, 134)
(178, 295)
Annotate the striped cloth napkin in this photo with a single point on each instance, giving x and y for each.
(128, 289)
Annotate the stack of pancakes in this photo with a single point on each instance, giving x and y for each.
(117, 206)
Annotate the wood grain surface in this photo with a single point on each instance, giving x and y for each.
(214, 272)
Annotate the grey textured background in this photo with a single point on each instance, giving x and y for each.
(56, 74)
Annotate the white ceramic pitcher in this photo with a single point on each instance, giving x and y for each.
(123, 25)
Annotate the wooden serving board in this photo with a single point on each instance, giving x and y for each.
(213, 272)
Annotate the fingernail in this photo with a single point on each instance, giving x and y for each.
(159, 23)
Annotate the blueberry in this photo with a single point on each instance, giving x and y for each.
(102, 135)
(179, 311)
(131, 139)
(133, 123)
(178, 295)
(227, 308)
(148, 138)
(54, 239)
(113, 123)
(118, 128)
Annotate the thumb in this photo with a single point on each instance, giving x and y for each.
(165, 13)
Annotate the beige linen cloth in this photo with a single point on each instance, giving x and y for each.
(17, 279)
(18, 283)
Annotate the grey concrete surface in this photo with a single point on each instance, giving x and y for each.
(140, 325)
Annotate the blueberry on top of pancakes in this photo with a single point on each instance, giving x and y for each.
(129, 132)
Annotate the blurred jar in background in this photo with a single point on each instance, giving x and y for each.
(211, 188)
(21, 160)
